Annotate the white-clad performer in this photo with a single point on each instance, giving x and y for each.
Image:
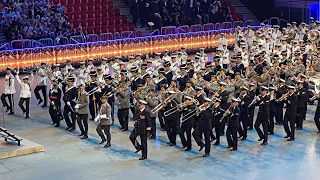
(82, 74)
(25, 93)
(42, 84)
(9, 91)
(104, 66)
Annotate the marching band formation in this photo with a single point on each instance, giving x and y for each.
(275, 70)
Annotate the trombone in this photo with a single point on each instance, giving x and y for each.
(94, 90)
(161, 105)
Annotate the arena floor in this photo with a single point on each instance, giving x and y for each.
(68, 157)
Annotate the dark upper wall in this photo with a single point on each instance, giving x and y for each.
(263, 9)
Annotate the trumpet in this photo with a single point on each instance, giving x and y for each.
(254, 101)
(282, 97)
(315, 97)
(161, 105)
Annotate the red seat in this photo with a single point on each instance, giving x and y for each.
(90, 7)
(117, 12)
(103, 14)
(55, 1)
(63, 2)
(104, 22)
(83, 7)
(118, 28)
(98, 30)
(131, 27)
(90, 23)
(90, 14)
(109, 4)
(104, 30)
(98, 23)
(111, 21)
(124, 19)
(76, 16)
(117, 20)
(77, 1)
(110, 13)
(90, 31)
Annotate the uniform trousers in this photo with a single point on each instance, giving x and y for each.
(262, 135)
(82, 120)
(273, 112)
(217, 128)
(43, 89)
(301, 113)
(103, 131)
(9, 106)
(289, 130)
(279, 113)
(66, 111)
(25, 109)
(161, 118)
(123, 115)
(143, 146)
(317, 117)
(251, 114)
(232, 137)
(53, 111)
(197, 135)
(92, 108)
(171, 128)
(243, 128)
(153, 126)
(186, 142)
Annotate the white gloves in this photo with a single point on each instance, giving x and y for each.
(17, 72)
(104, 116)
(52, 102)
(68, 103)
(97, 118)
(77, 106)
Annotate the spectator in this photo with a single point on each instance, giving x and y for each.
(134, 11)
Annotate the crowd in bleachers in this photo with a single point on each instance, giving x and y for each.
(180, 12)
(33, 19)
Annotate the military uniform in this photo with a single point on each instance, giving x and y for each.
(69, 97)
(183, 81)
(186, 126)
(303, 99)
(263, 118)
(123, 107)
(233, 126)
(92, 99)
(171, 122)
(161, 82)
(104, 124)
(169, 76)
(279, 114)
(290, 115)
(252, 94)
(317, 116)
(217, 115)
(152, 103)
(82, 111)
(55, 105)
(273, 112)
(189, 91)
(204, 127)
(142, 122)
(244, 115)
(109, 88)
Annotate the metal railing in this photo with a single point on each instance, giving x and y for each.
(47, 42)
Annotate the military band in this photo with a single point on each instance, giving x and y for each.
(270, 73)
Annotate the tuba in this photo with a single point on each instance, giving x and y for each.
(314, 35)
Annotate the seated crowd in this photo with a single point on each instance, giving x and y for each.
(179, 12)
(33, 19)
